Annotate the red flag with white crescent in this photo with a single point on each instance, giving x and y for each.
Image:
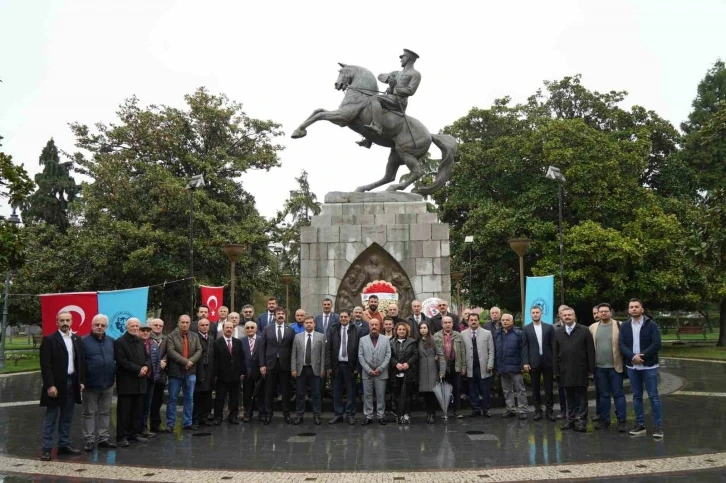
(83, 306)
(212, 298)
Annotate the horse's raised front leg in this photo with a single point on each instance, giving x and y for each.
(300, 132)
(394, 162)
(416, 171)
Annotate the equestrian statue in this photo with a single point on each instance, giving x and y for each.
(381, 118)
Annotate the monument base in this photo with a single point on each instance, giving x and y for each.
(361, 237)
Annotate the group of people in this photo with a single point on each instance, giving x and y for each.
(210, 364)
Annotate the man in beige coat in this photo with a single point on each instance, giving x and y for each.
(479, 355)
(608, 368)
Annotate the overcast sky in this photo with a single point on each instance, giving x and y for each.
(77, 60)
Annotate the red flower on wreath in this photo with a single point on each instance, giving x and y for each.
(379, 286)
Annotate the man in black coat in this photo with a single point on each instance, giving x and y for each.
(228, 365)
(203, 313)
(251, 375)
(132, 367)
(341, 361)
(573, 361)
(537, 360)
(436, 324)
(417, 316)
(275, 363)
(63, 371)
(203, 403)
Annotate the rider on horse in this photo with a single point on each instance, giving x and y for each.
(401, 86)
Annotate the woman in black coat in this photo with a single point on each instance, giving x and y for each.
(404, 356)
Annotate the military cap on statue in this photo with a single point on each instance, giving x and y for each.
(409, 52)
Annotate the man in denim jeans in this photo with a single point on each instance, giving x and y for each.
(183, 351)
(639, 343)
(608, 369)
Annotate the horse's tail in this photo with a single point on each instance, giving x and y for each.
(448, 146)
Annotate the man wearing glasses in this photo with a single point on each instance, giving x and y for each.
(436, 324)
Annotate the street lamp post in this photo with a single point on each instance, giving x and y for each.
(197, 181)
(233, 251)
(286, 279)
(469, 240)
(555, 174)
(13, 219)
(456, 277)
(520, 247)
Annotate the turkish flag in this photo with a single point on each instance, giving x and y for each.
(212, 298)
(83, 306)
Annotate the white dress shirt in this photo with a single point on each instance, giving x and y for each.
(68, 340)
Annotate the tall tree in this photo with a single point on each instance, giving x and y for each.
(705, 154)
(56, 189)
(298, 210)
(133, 216)
(15, 185)
(621, 218)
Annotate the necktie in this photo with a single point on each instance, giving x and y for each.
(473, 336)
(569, 329)
(279, 334)
(269, 317)
(325, 323)
(344, 341)
(229, 345)
(252, 345)
(418, 319)
(309, 351)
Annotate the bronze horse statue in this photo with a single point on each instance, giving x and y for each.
(408, 139)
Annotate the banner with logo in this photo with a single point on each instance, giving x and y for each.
(121, 305)
(212, 297)
(83, 306)
(540, 291)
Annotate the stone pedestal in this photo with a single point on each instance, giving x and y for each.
(352, 228)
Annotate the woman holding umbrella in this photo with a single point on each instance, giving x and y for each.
(432, 368)
(404, 357)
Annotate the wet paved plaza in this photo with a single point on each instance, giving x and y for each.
(476, 449)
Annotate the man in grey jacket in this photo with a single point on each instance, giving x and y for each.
(374, 354)
(479, 349)
(308, 365)
(183, 351)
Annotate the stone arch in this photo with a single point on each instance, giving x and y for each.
(364, 270)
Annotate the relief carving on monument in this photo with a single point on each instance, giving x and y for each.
(373, 264)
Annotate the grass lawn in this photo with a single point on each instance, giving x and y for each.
(20, 362)
(710, 336)
(693, 352)
(19, 343)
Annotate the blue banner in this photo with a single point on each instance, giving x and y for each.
(540, 291)
(121, 305)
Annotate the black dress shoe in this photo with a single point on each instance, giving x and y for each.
(317, 421)
(366, 421)
(123, 443)
(475, 414)
(537, 416)
(138, 439)
(217, 422)
(106, 444)
(233, 420)
(45, 455)
(381, 421)
(567, 426)
(69, 450)
(551, 416)
(351, 420)
(581, 428)
(336, 420)
(266, 420)
(189, 428)
(288, 419)
(298, 420)
(246, 418)
(88, 446)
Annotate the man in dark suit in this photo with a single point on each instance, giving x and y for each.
(341, 360)
(228, 362)
(275, 365)
(203, 403)
(308, 365)
(132, 367)
(268, 317)
(360, 324)
(537, 360)
(573, 360)
(203, 313)
(64, 376)
(436, 324)
(324, 321)
(251, 376)
(416, 317)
